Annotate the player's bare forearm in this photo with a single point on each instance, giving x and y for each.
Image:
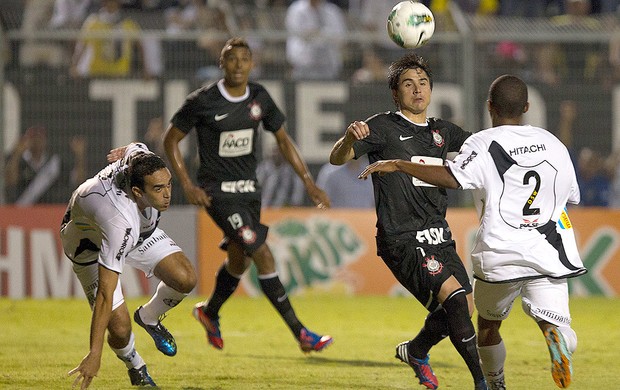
(291, 154)
(343, 149)
(172, 137)
(341, 152)
(438, 175)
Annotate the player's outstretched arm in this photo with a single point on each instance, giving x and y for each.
(193, 193)
(438, 175)
(102, 311)
(343, 148)
(291, 154)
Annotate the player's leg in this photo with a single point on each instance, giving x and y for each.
(546, 300)
(406, 264)
(160, 256)
(455, 301)
(415, 352)
(122, 341)
(226, 282)
(492, 353)
(227, 279)
(494, 302)
(274, 290)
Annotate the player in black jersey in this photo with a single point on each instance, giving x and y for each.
(226, 116)
(413, 236)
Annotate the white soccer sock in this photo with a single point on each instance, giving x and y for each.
(493, 358)
(570, 337)
(164, 299)
(129, 355)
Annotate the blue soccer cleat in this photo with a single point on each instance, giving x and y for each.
(561, 364)
(421, 368)
(309, 341)
(140, 377)
(163, 339)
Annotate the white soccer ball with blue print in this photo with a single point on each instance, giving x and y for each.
(410, 24)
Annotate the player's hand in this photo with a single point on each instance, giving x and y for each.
(381, 167)
(197, 196)
(319, 197)
(357, 130)
(116, 154)
(86, 371)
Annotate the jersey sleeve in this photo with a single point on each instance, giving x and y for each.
(185, 118)
(117, 240)
(457, 135)
(273, 118)
(468, 167)
(574, 195)
(373, 142)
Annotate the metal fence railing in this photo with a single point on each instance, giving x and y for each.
(560, 62)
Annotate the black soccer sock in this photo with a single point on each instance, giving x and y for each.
(225, 286)
(435, 329)
(462, 332)
(274, 290)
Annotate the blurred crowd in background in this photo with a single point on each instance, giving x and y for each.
(312, 48)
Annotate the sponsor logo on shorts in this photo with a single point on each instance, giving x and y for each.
(551, 315)
(433, 266)
(238, 186)
(433, 236)
(151, 241)
(247, 235)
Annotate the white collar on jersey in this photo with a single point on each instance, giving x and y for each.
(409, 120)
(227, 96)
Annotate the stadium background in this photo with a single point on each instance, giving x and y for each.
(467, 52)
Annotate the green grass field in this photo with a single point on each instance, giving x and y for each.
(40, 341)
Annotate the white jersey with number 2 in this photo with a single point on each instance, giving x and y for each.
(523, 178)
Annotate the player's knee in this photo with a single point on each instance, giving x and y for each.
(188, 283)
(456, 303)
(119, 333)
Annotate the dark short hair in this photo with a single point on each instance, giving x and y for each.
(409, 61)
(508, 96)
(142, 165)
(235, 42)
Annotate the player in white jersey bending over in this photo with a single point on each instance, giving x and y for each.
(522, 177)
(112, 220)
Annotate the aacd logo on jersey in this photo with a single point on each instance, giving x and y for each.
(236, 143)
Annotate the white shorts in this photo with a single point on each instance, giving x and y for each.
(543, 299)
(144, 257)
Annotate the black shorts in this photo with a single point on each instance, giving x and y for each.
(422, 271)
(238, 215)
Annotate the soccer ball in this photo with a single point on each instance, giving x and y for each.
(410, 24)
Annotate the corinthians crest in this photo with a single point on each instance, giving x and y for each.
(434, 267)
(437, 138)
(256, 112)
(247, 234)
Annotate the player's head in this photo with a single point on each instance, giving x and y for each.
(411, 81)
(507, 98)
(150, 181)
(236, 62)
(409, 61)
